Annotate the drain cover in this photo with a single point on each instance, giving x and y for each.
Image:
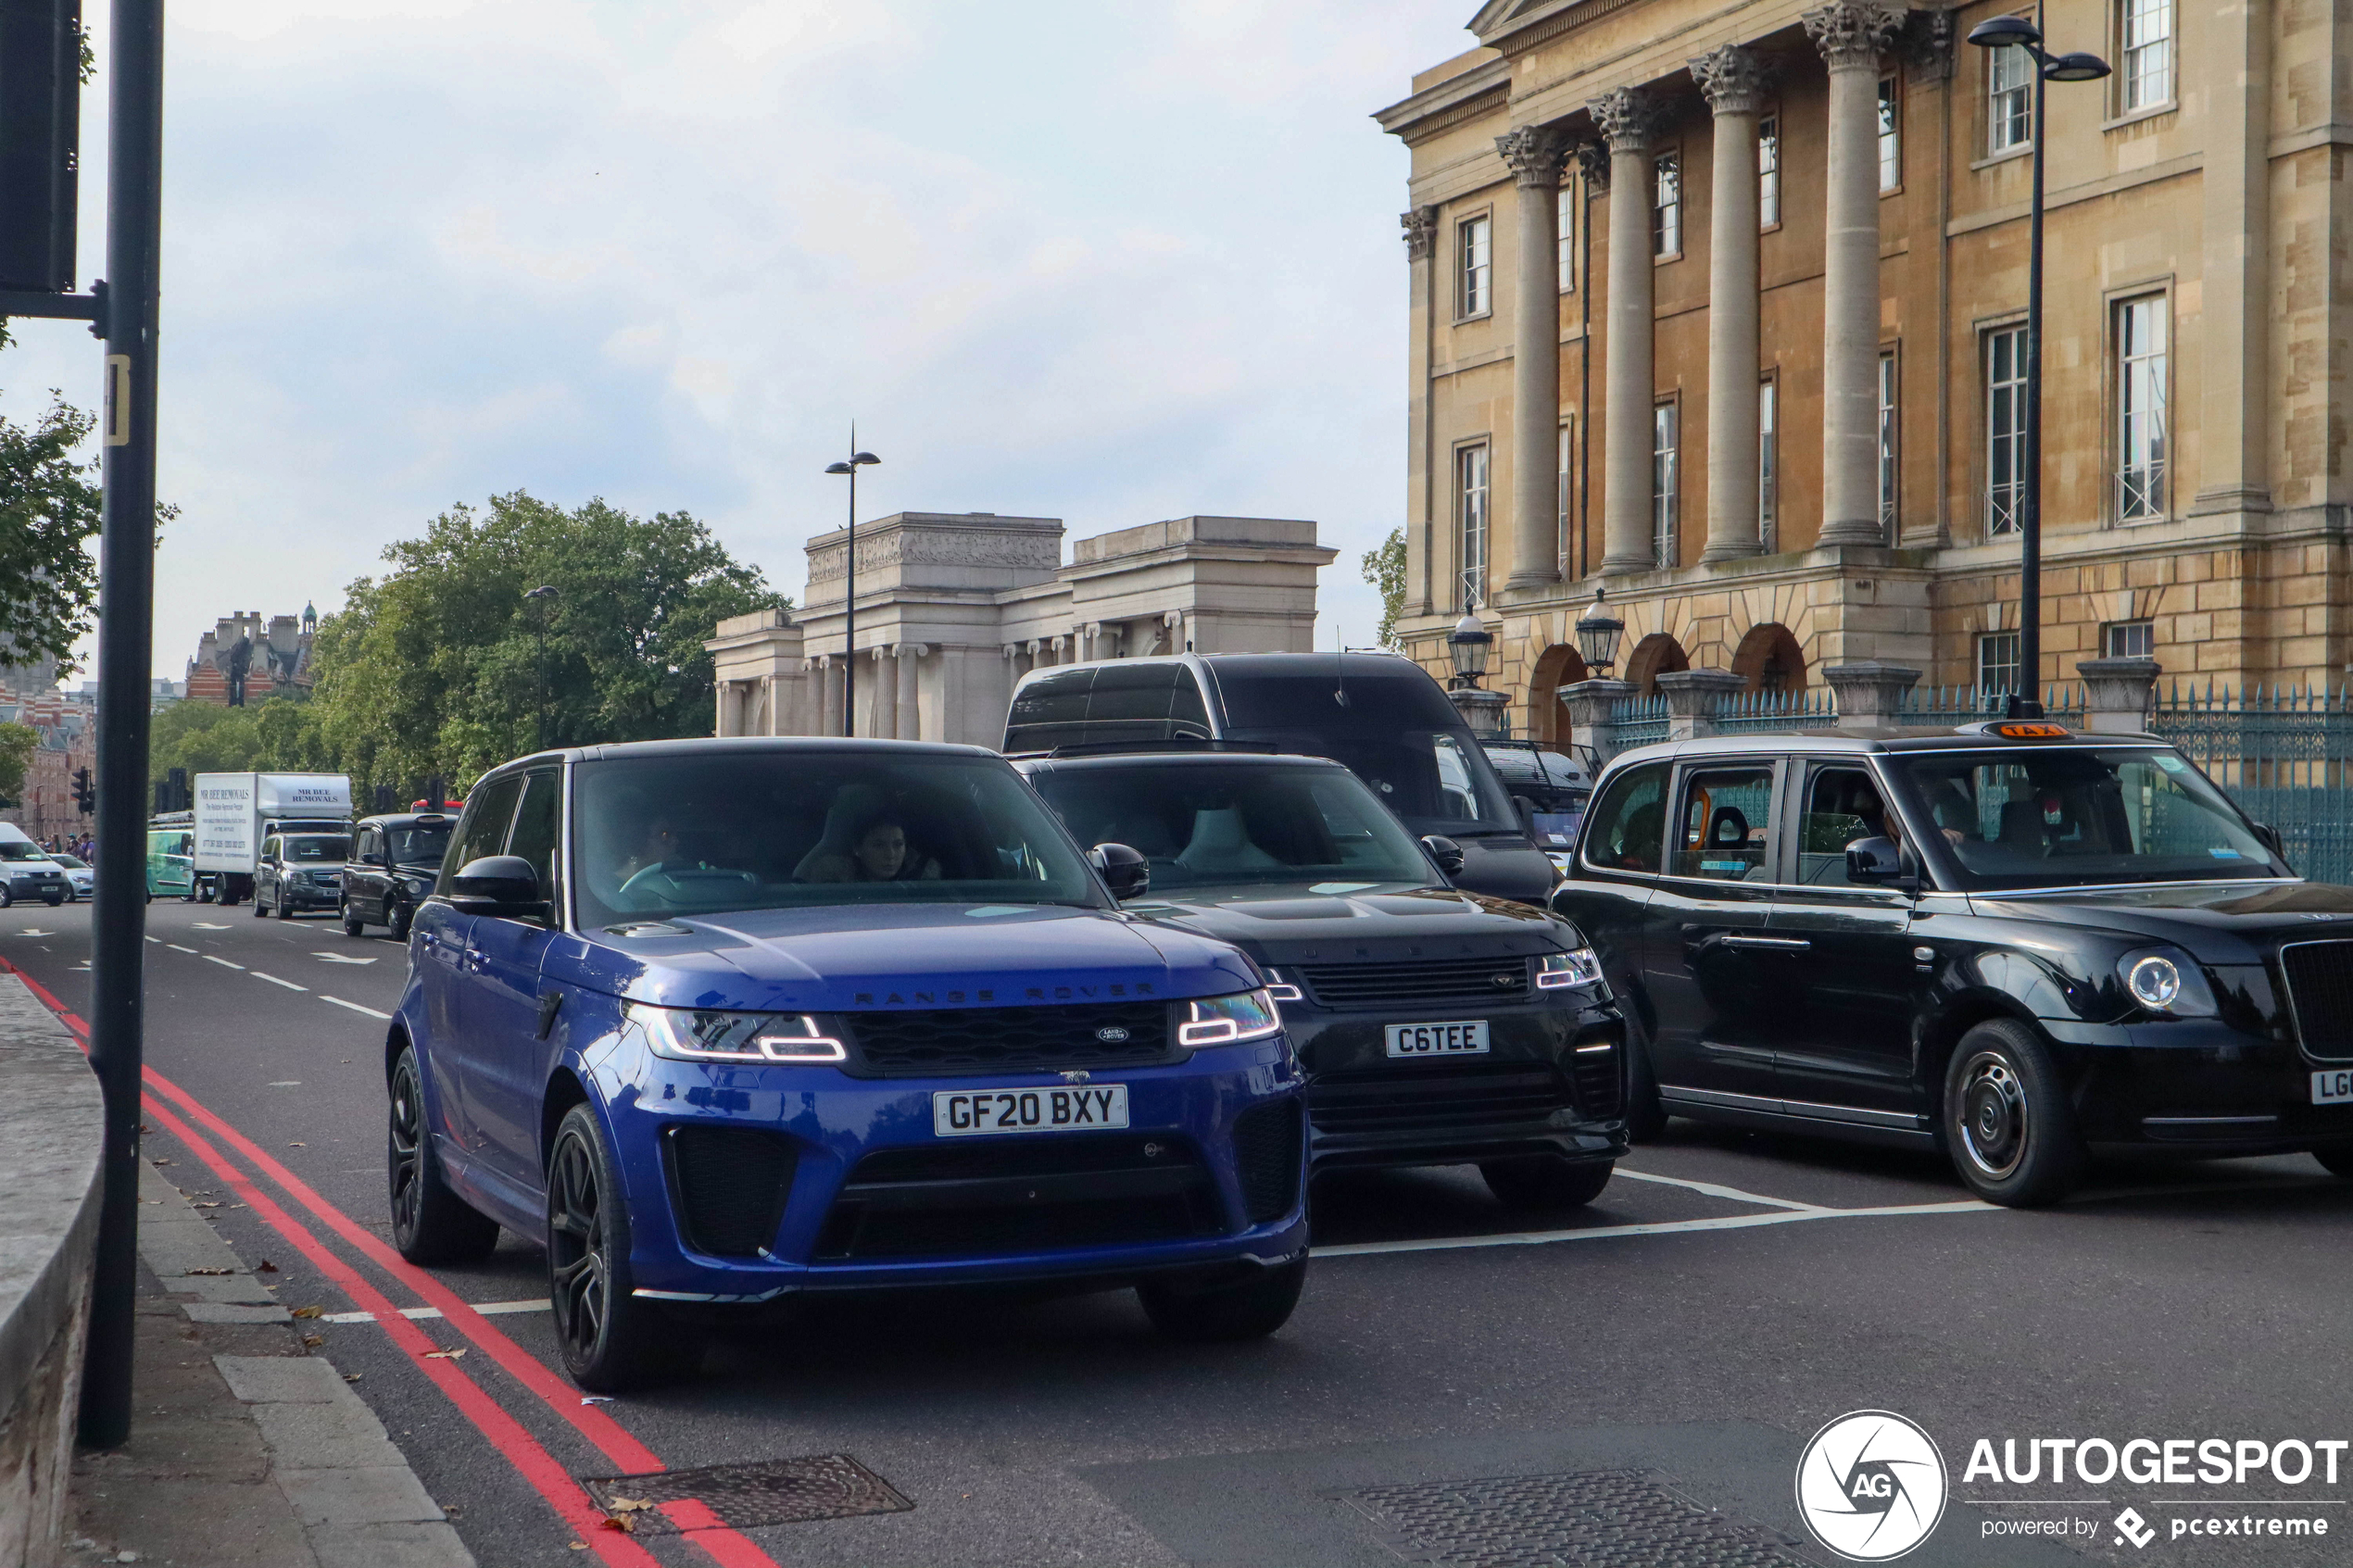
(776, 1491)
(1595, 1519)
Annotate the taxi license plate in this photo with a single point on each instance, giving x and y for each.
(1438, 1039)
(2332, 1088)
(960, 1113)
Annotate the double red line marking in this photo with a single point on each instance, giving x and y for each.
(502, 1431)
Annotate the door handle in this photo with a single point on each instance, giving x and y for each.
(1769, 944)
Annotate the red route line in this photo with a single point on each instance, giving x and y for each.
(697, 1522)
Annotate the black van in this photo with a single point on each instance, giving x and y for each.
(1378, 714)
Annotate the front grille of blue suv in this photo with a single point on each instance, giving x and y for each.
(721, 1022)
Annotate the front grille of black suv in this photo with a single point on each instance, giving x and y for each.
(1269, 1141)
(924, 1043)
(728, 1186)
(1423, 1097)
(1001, 1196)
(2319, 990)
(1413, 981)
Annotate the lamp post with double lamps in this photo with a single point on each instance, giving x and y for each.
(2016, 33)
(849, 588)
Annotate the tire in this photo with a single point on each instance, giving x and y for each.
(260, 910)
(398, 921)
(430, 1223)
(2337, 1161)
(1225, 1313)
(611, 1338)
(6, 898)
(53, 899)
(189, 896)
(1546, 1181)
(2008, 1122)
(352, 924)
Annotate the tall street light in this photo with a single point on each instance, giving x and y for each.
(849, 588)
(2016, 33)
(543, 597)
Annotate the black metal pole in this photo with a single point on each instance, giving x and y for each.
(2027, 702)
(849, 604)
(126, 636)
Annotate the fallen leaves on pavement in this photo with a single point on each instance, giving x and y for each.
(309, 1312)
(444, 1355)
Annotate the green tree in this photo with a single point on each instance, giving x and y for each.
(18, 743)
(438, 667)
(49, 509)
(280, 734)
(1384, 568)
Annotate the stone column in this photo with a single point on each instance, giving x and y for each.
(2116, 693)
(829, 698)
(2233, 316)
(1536, 153)
(1868, 693)
(1420, 226)
(1852, 34)
(910, 722)
(1625, 118)
(1590, 721)
(1733, 80)
(1691, 698)
(882, 705)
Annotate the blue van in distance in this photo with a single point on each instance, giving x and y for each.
(726, 1019)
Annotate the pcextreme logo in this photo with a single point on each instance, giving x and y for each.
(1871, 1485)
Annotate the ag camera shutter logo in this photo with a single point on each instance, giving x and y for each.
(1871, 1485)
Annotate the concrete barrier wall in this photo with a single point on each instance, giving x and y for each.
(50, 1136)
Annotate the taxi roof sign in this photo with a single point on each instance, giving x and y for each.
(2021, 729)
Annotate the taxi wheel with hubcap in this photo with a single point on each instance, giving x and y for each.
(430, 1223)
(2009, 1124)
(611, 1339)
(1251, 1309)
(352, 924)
(399, 922)
(1546, 1181)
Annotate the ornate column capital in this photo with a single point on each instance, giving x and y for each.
(1732, 78)
(1592, 164)
(1629, 117)
(1536, 153)
(1420, 224)
(1852, 34)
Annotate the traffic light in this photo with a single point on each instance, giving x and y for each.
(40, 141)
(86, 795)
(177, 779)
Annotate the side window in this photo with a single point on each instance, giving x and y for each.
(1187, 715)
(1049, 711)
(269, 850)
(482, 830)
(1841, 805)
(535, 834)
(1724, 828)
(1623, 831)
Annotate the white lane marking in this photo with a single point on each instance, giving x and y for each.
(289, 1083)
(1713, 1190)
(156, 939)
(275, 981)
(1669, 1228)
(34, 931)
(341, 957)
(178, 948)
(208, 925)
(488, 1309)
(223, 962)
(353, 1006)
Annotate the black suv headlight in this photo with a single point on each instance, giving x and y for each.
(1223, 1020)
(692, 1035)
(2165, 981)
(1579, 966)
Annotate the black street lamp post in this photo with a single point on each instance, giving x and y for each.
(545, 597)
(849, 588)
(2016, 33)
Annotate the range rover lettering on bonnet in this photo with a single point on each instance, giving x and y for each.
(1029, 993)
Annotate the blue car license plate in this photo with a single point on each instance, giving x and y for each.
(957, 1114)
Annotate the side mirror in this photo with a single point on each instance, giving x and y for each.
(1526, 809)
(496, 884)
(1124, 872)
(1877, 862)
(1446, 852)
(371, 858)
(2271, 838)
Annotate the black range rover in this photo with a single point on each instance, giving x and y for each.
(2011, 942)
(1437, 1027)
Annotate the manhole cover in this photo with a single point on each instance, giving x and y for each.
(1595, 1519)
(776, 1491)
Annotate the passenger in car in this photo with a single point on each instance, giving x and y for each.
(865, 841)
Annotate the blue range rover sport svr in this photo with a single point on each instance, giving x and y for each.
(725, 1020)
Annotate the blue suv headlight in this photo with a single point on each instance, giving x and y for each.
(1221, 1020)
(1579, 966)
(692, 1035)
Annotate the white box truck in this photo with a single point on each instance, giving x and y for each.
(235, 812)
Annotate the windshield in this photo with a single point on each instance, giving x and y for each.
(18, 849)
(2035, 819)
(422, 846)
(1319, 829)
(699, 834)
(72, 862)
(1397, 732)
(318, 848)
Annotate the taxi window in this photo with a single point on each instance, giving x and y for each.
(1841, 805)
(1724, 827)
(1623, 831)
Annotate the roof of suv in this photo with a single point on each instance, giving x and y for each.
(1867, 742)
(1172, 759)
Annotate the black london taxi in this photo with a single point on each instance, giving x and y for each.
(1437, 1027)
(396, 860)
(2009, 941)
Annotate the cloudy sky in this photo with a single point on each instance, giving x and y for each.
(1110, 262)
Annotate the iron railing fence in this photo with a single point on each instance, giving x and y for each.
(1750, 713)
(2280, 753)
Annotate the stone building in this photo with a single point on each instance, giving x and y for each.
(953, 608)
(241, 661)
(1719, 305)
(29, 696)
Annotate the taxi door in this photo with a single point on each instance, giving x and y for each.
(1713, 972)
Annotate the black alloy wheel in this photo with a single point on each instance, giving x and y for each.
(611, 1339)
(2008, 1122)
(1546, 1181)
(1252, 1309)
(352, 924)
(430, 1223)
(398, 919)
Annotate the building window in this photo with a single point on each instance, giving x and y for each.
(1667, 206)
(1470, 512)
(2140, 408)
(1560, 526)
(2129, 639)
(1475, 244)
(2005, 428)
(1769, 171)
(2147, 32)
(1997, 666)
(1891, 137)
(1666, 483)
(2009, 99)
(1887, 471)
(1565, 239)
(1769, 463)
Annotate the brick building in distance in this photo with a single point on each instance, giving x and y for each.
(241, 661)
